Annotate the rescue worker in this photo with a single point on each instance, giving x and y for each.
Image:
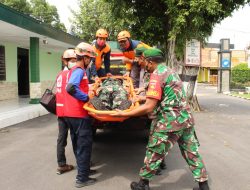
(75, 116)
(173, 122)
(69, 60)
(128, 46)
(103, 51)
(111, 95)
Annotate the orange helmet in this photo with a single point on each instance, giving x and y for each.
(101, 33)
(85, 49)
(69, 53)
(122, 35)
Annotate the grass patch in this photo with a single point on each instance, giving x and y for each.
(241, 95)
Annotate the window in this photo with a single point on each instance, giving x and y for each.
(2, 63)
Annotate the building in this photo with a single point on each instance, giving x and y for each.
(210, 63)
(30, 55)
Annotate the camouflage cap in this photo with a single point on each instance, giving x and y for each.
(139, 51)
(152, 52)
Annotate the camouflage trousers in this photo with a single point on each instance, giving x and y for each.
(113, 95)
(161, 142)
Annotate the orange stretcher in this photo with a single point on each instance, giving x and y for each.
(105, 115)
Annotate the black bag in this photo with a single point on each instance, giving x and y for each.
(48, 100)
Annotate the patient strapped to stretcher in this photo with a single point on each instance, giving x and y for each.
(112, 93)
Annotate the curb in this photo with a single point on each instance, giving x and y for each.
(239, 97)
(21, 114)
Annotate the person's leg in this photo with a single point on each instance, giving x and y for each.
(158, 146)
(102, 102)
(61, 141)
(101, 72)
(73, 131)
(61, 144)
(83, 151)
(189, 146)
(135, 74)
(120, 98)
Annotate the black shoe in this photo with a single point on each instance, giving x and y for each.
(143, 184)
(202, 186)
(125, 104)
(97, 103)
(80, 184)
(158, 172)
(163, 166)
(92, 172)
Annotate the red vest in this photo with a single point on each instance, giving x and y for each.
(67, 105)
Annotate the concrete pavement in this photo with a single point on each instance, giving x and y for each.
(18, 110)
(28, 152)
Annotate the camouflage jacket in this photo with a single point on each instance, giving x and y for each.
(172, 111)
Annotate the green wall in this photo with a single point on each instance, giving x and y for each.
(50, 65)
(10, 61)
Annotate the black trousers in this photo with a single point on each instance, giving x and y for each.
(82, 139)
(62, 141)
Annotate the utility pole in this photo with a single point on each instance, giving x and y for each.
(224, 71)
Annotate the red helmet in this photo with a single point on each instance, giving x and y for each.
(85, 49)
(123, 35)
(101, 33)
(69, 53)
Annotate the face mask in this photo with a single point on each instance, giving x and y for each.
(127, 44)
(71, 64)
(100, 43)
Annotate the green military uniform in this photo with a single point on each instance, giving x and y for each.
(174, 123)
(112, 95)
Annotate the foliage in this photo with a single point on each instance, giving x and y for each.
(239, 85)
(39, 9)
(19, 5)
(158, 21)
(241, 73)
(98, 14)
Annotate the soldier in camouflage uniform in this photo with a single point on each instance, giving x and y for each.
(173, 123)
(111, 95)
(143, 86)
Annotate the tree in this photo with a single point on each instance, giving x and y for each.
(39, 9)
(97, 14)
(171, 23)
(47, 13)
(19, 5)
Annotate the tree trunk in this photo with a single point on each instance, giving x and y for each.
(187, 74)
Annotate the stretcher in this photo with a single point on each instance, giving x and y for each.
(103, 115)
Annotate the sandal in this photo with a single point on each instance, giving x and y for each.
(63, 169)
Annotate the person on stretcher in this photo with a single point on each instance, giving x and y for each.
(112, 94)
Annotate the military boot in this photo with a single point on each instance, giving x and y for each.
(143, 184)
(125, 104)
(97, 103)
(163, 165)
(158, 172)
(202, 186)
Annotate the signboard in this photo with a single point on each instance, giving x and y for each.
(193, 53)
(225, 60)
